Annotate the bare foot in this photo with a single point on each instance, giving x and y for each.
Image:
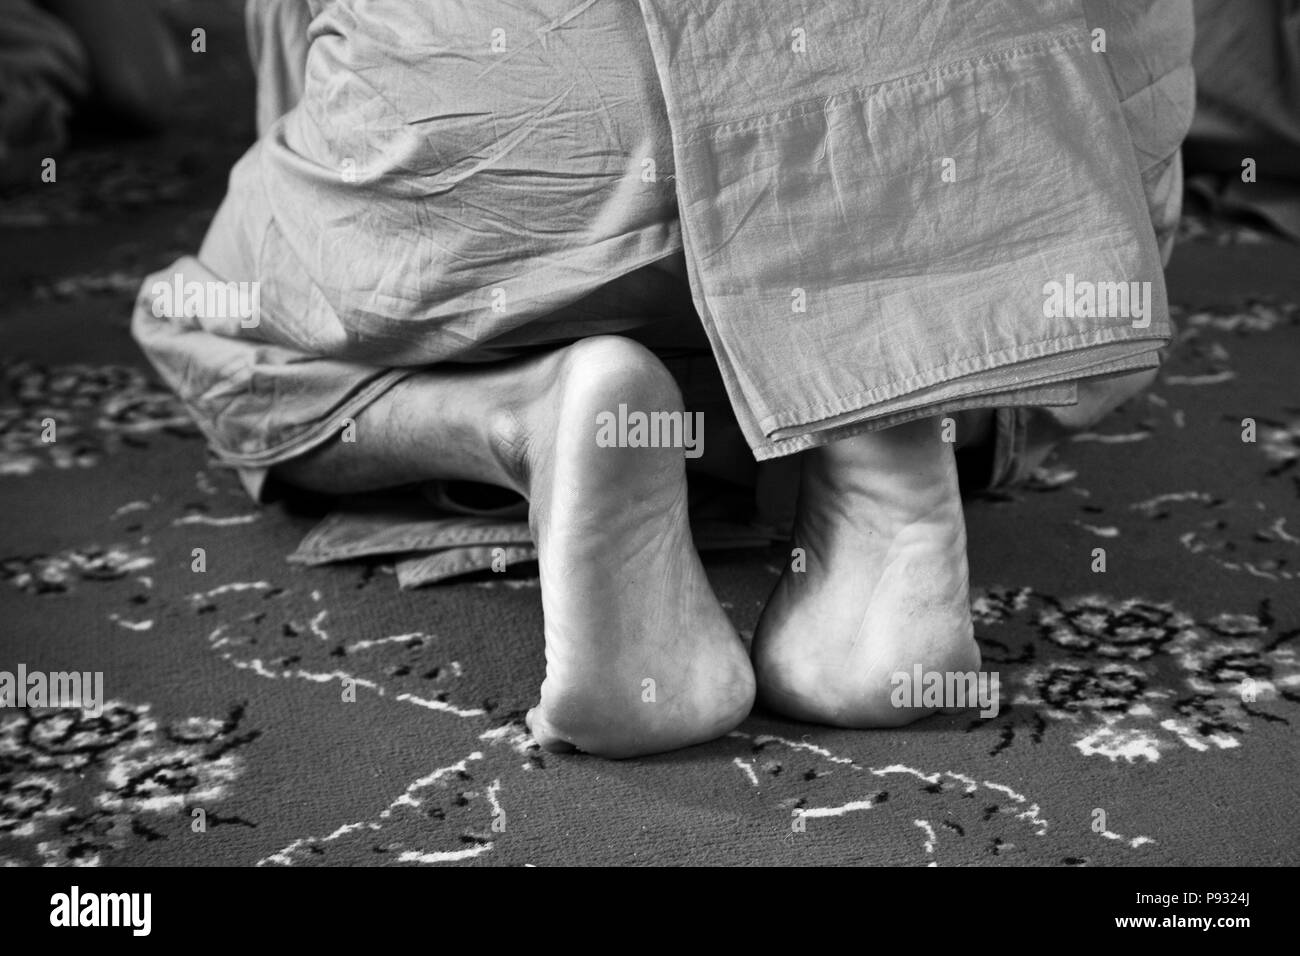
(885, 586)
(640, 657)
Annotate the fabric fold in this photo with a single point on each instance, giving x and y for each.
(899, 190)
(857, 213)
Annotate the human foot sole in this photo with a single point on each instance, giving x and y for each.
(640, 656)
(877, 587)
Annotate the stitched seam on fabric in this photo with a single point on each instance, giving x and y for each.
(898, 387)
(1060, 40)
(826, 410)
(769, 449)
(485, 536)
(315, 433)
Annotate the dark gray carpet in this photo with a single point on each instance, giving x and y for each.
(1127, 739)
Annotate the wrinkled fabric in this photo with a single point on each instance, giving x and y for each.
(820, 173)
(433, 199)
(434, 536)
(277, 44)
(1149, 58)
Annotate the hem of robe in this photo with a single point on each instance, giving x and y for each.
(890, 267)
(1023, 379)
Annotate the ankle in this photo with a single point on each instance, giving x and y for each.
(907, 464)
(510, 446)
(506, 413)
(916, 442)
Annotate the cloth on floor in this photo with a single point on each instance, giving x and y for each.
(438, 531)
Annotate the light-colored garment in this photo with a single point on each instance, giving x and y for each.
(871, 201)
(277, 43)
(1149, 58)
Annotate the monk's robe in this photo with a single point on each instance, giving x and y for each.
(863, 212)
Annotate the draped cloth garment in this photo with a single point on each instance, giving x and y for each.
(859, 208)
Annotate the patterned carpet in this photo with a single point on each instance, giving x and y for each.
(1149, 711)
